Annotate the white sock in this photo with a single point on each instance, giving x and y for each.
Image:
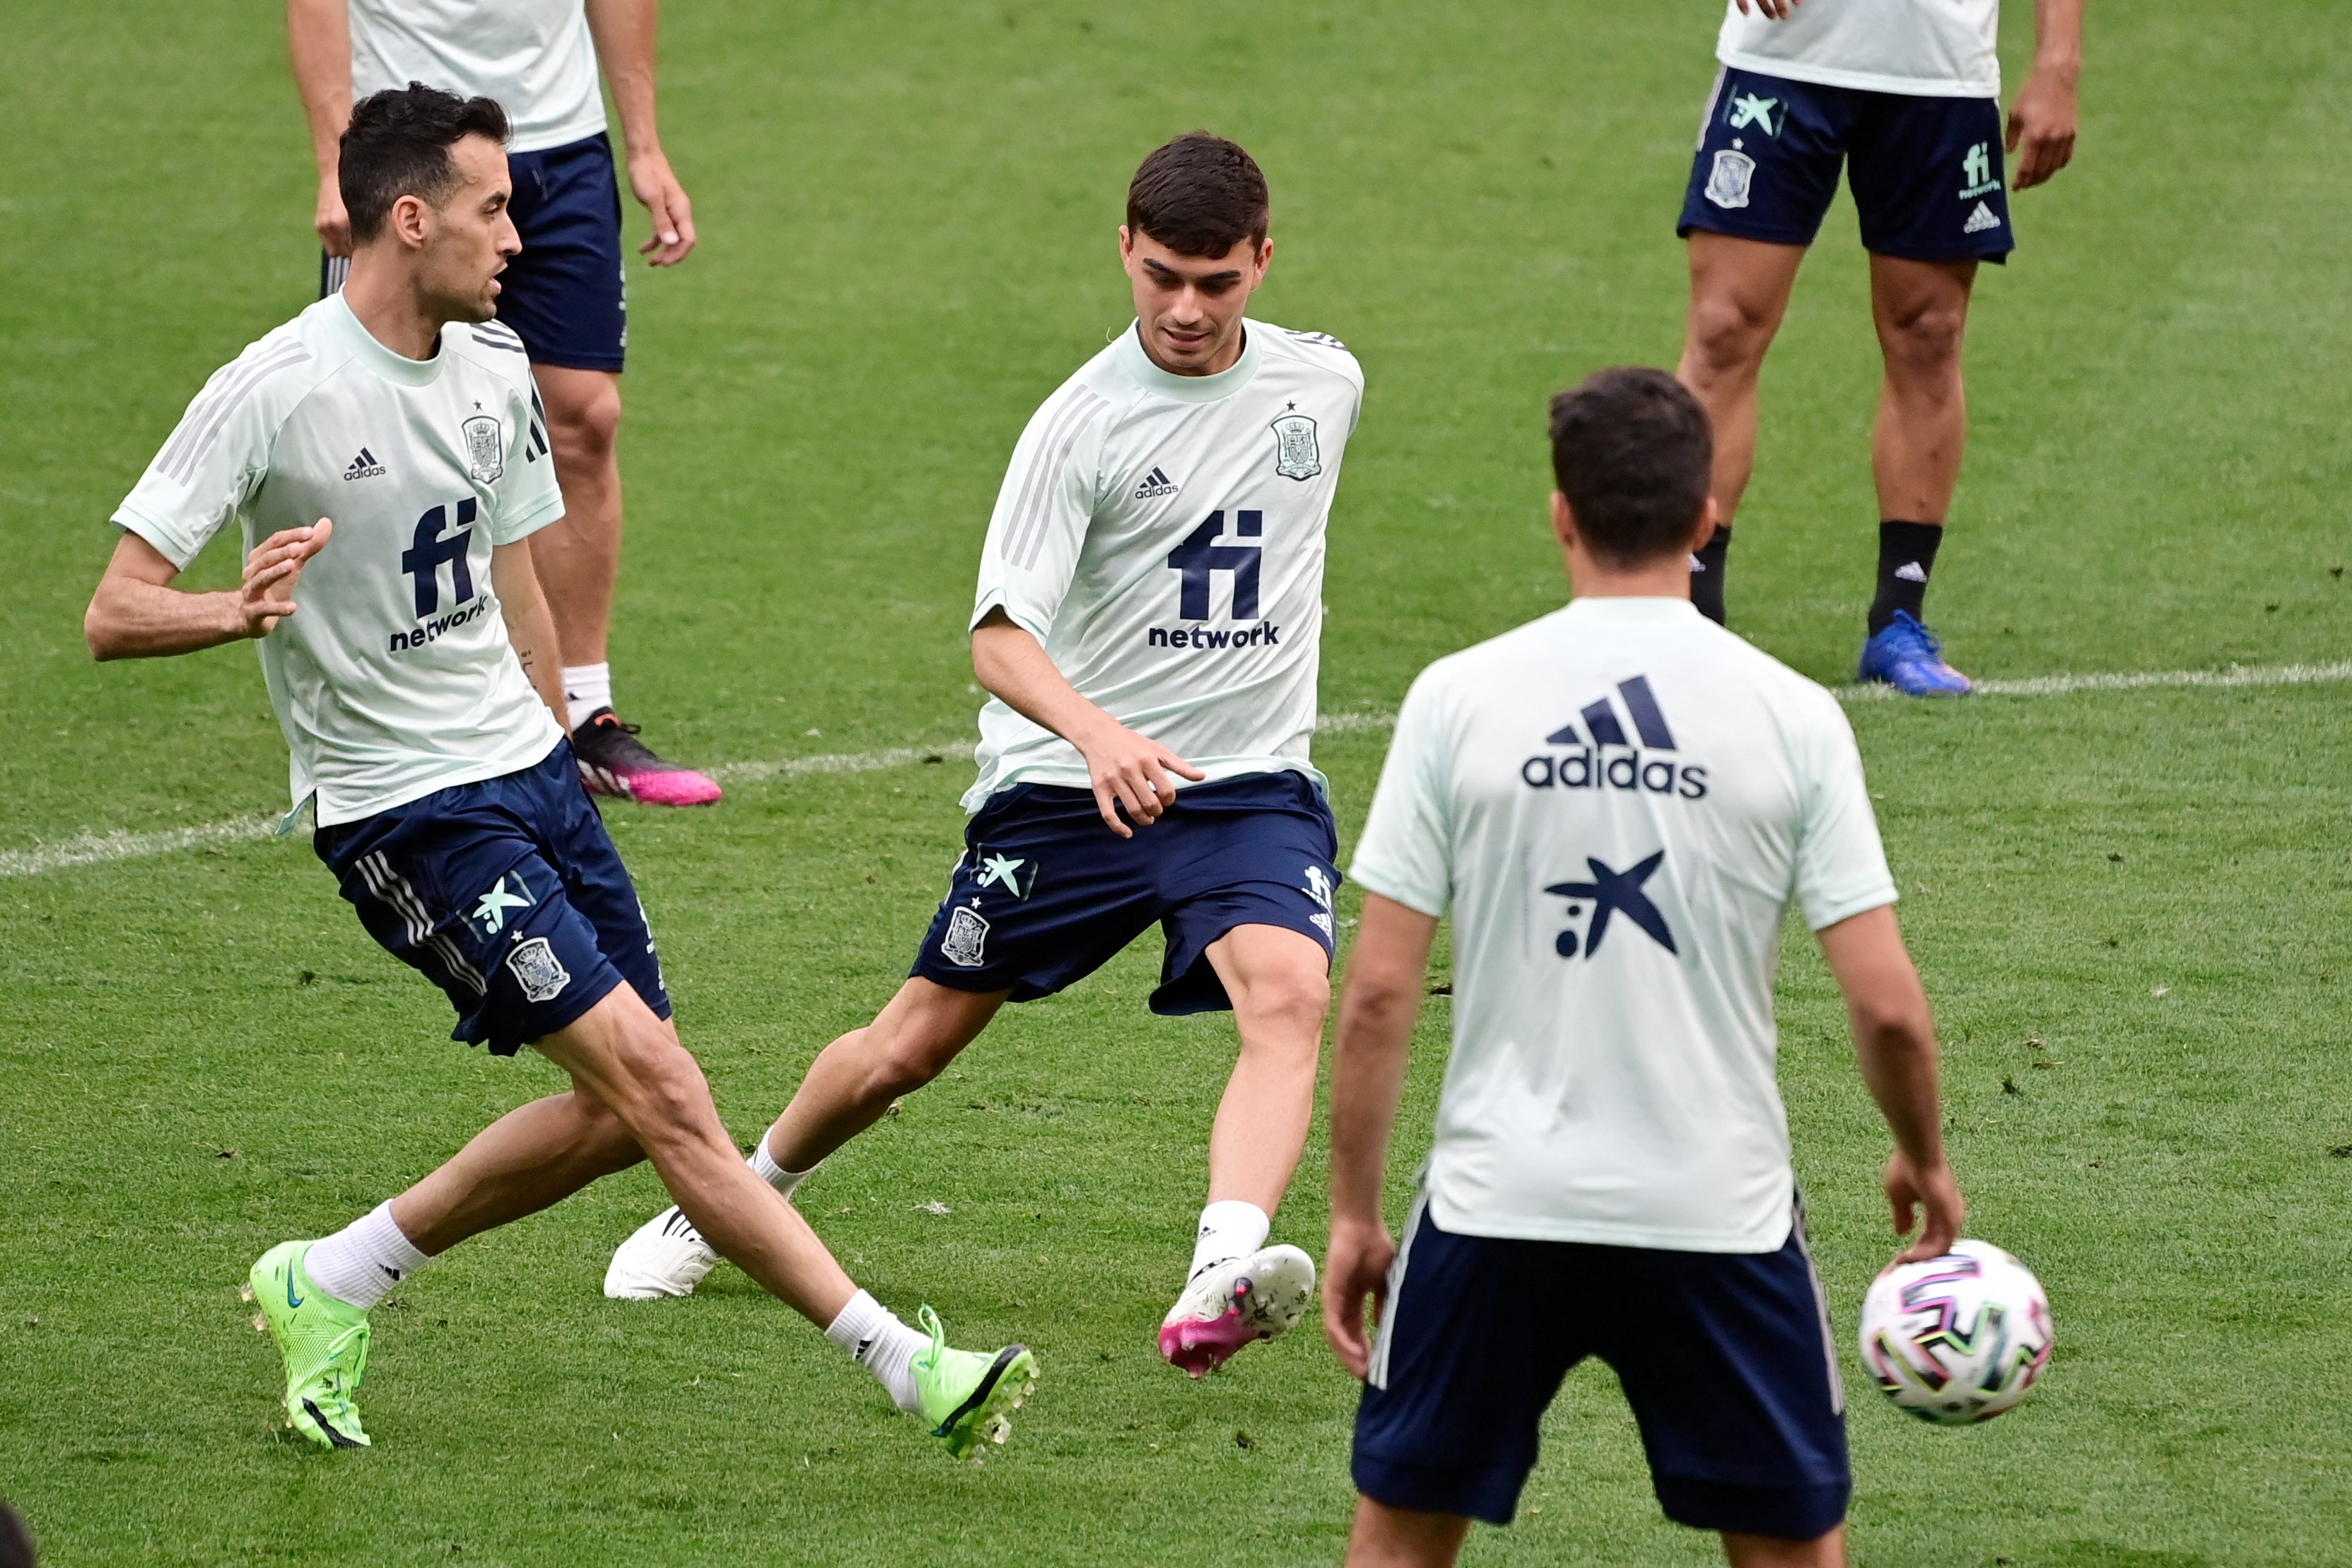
(586, 688)
(764, 1166)
(877, 1341)
(1229, 1229)
(365, 1258)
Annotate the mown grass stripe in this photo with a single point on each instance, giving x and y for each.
(99, 849)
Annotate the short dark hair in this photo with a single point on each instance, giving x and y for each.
(398, 143)
(15, 1541)
(1198, 195)
(1634, 453)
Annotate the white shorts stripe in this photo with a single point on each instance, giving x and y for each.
(1378, 1373)
(1821, 1306)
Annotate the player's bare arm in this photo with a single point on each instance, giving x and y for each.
(137, 614)
(1378, 1004)
(319, 40)
(1126, 770)
(530, 624)
(1894, 1040)
(624, 31)
(2041, 121)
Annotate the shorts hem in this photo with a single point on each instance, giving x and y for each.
(560, 360)
(1486, 1492)
(561, 1014)
(1782, 1512)
(974, 982)
(1684, 230)
(1939, 253)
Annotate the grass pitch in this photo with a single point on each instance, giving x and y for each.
(908, 213)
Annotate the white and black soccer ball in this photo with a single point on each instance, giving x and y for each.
(1957, 1338)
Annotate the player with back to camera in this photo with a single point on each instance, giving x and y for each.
(565, 302)
(1148, 617)
(1907, 94)
(415, 686)
(1617, 802)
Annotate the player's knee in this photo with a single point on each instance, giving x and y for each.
(1926, 339)
(901, 1061)
(1729, 334)
(663, 1096)
(588, 426)
(1293, 1003)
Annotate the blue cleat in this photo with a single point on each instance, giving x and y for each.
(1907, 656)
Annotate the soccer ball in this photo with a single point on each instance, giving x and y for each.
(1959, 1338)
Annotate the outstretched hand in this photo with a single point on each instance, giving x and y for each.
(1930, 1197)
(1132, 771)
(1357, 1266)
(273, 571)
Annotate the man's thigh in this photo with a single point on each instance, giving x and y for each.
(1042, 896)
(1928, 185)
(1769, 153)
(520, 913)
(565, 295)
(1256, 851)
(1727, 1362)
(1458, 1384)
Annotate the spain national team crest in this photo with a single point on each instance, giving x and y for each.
(1296, 455)
(966, 939)
(485, 449)
(536, 968)
(1727, 181)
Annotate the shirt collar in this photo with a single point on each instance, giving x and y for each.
(1190, 388)
(398, 369)
(1629, 610)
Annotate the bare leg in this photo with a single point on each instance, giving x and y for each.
(579, 558)
(1740, 291)
(852, 1080)
(533, 1156)
(620, 1054)
(1772, 1551)
(1280, 983)
(1387, 1537)
(1922, 311)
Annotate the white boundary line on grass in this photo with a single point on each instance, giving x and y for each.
(99, 849)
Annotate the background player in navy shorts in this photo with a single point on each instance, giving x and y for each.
(1617, 803)
(1906, 95)
(563, 297)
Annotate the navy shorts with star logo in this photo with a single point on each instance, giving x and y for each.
(1926, 173)
(505, 893)
(1044, 893)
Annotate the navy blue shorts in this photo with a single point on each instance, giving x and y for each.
(565, 294)
(1725, 1357)
(1044, 894)
(509, 895)
(1926, 172)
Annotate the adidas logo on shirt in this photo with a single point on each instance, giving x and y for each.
(1980, 220)
(1156, 484)
(1597, 732)
(363, 467)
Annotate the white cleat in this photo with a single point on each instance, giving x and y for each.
(666, 1257)
(1235, 1304)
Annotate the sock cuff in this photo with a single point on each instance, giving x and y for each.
(582, 674)
(393, 1242)
(856, 1321)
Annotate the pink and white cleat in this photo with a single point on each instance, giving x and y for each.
(1234, 1303)
(614, 761)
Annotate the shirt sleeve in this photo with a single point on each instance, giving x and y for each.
(1406, 852)
(1841, 865)
(528, 496)
(1042, 513)
(216, 458)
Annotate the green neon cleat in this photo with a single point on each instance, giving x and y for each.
(966, 1397)
(324, 1342)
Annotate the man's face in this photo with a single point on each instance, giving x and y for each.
(1189, 307)
(469, 237)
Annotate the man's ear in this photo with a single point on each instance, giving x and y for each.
(410, 220)
(1708, 517)
(1563, 520)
